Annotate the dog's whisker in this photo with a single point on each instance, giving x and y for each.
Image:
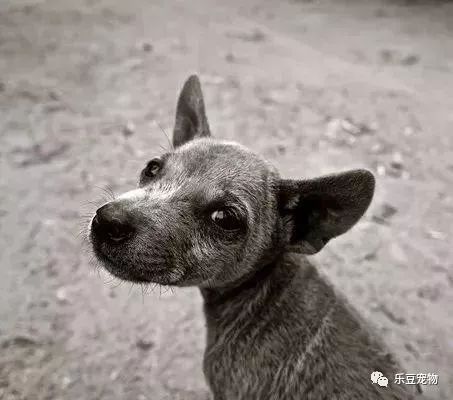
(108, 282)
(108, 192)
(167, 289)
(143, 294)
(91, 203)
(163, 131)
(130, 288)
(118, 284)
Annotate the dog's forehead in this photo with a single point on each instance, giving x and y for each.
(207, 169)
(219, 161)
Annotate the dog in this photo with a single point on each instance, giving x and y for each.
(215, 215)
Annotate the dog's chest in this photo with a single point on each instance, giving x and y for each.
(237, 369)
(248, 364)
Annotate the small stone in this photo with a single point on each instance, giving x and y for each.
(397, 161)
(386, 212)
(377, 148)
(349, 127)
(436, 234)
(281, 149)
(129, 129)
(133, 63)
(412, 349)
(40, 153)
(397, 157)
(114, 375)
(53, 95)
(66, 381)
(381, 170)
(391, 315)
(144, 344)
(336, 126)
(19, 341)
(257, 36)
(411, 59)
(212, 79)
(62, 295)
(428, 292)
(333, 128)
(229, 57)
(370, 256)
(408, 131)
(147, 47)
(254, 36)
(387, 55)
(398, 253)
(405, 175)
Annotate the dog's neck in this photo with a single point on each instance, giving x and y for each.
(288, 296)
(265, 281)
(252, 281)
(261, 274)
(266, 293)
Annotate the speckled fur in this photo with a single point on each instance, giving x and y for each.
(276, 330)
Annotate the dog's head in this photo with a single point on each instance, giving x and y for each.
(209, 212)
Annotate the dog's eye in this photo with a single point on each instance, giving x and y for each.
(227, 219)
(152, 168)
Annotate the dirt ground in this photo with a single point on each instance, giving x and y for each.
(87, 89)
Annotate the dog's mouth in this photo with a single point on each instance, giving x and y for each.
(119, 270)
(132, 273)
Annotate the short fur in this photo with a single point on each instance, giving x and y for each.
(216, 215)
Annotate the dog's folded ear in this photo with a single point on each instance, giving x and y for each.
(317, 210)
(191, 121)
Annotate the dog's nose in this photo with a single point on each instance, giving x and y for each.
(112, 223)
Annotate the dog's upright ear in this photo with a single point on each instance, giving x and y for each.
(191, 121)
(317, 210)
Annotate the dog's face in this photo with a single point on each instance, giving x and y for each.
(195, 218)
(209, 212)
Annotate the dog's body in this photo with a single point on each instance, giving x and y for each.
(287, 336)
(215, 215)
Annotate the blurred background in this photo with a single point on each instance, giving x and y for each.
(87, 89)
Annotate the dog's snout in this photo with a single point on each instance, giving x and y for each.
(113, 223)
